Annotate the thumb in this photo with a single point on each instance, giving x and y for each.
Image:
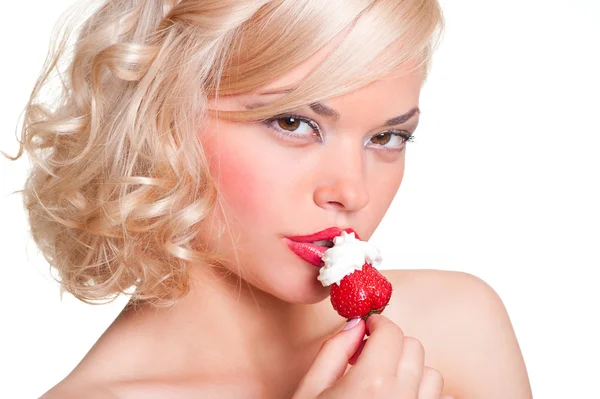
(331, 360)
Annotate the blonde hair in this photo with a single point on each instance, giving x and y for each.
(120, 183)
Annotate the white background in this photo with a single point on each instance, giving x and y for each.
(502, 182)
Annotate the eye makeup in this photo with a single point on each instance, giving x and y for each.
(288, 125)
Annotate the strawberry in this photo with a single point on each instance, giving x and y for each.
(361, 293)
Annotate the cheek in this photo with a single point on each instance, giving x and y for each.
(386, 181)
(237, 181)
(241, 178)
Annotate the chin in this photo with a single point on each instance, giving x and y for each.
(304, 292)
(294, 288)
(289, 280)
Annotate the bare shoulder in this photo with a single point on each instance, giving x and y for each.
(426, 302)
(440, 294)
(152, 389)
(465, 329)
(422, 296)
(69, 390)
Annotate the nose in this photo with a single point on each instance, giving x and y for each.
(341, 181)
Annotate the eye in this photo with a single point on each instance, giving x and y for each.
(294, 125)
(393, 140)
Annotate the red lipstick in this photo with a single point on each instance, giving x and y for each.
(303, 245)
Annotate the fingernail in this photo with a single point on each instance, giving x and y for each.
(351, 323)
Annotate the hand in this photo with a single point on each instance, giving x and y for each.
(390, 366)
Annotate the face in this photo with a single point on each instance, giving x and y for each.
(335, 164)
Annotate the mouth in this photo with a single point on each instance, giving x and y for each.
(312, 247)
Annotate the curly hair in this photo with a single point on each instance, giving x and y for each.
(119, 183)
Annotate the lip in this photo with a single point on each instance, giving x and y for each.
(327, 234)
(303, 247)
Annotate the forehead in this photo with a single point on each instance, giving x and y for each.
(399, 91)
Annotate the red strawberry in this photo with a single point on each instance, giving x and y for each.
(361, 293)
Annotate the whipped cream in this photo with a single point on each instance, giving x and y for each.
(347, 255)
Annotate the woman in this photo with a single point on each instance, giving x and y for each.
(191, 139)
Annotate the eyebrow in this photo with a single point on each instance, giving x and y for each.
(324, 110)
(328, 112)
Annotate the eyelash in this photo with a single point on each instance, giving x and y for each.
(407, 136)
(308, 121)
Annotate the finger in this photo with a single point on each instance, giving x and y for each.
(383, 348)
(432, 384)
(354, 357)
(331, 361)
(410, 367)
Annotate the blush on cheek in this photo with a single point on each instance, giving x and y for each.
(239, 181)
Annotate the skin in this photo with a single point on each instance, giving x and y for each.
(253, 329)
